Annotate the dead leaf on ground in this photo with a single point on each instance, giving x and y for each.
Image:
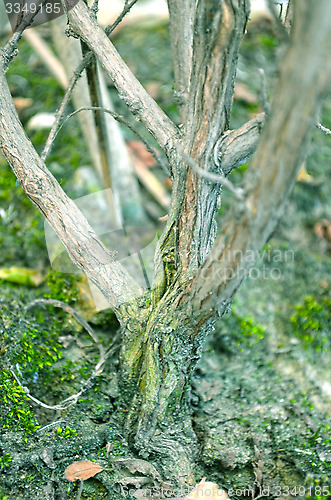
(82, 470)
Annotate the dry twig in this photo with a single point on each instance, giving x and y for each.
(125, 122)
(213, 177)
(66, 403)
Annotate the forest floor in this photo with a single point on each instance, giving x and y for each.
(261, 393)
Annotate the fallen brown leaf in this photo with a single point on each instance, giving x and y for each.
(82, 470)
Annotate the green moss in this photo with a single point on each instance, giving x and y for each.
(15, 412)
(249, 328)
(62, 286)
(34, 350)
(311, 322)
(21, 225)
(66, 432)
(5, 461)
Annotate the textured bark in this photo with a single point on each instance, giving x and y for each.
(181, 24)
(219, 28)
(235, 146)
(156, 365)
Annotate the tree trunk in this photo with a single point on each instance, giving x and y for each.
(159, 353)
(156, 366)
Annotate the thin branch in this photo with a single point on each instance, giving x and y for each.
(124, 182)
(86, 61)
(127, 7)
(72, 312)
(216, 178)
(71, 400)
(125, 122)
(95, 99)
(9, 50)
(288, 15)
(56, 422)
(129, 88)
(323, 129)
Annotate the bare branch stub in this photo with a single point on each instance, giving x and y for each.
(235, 147)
